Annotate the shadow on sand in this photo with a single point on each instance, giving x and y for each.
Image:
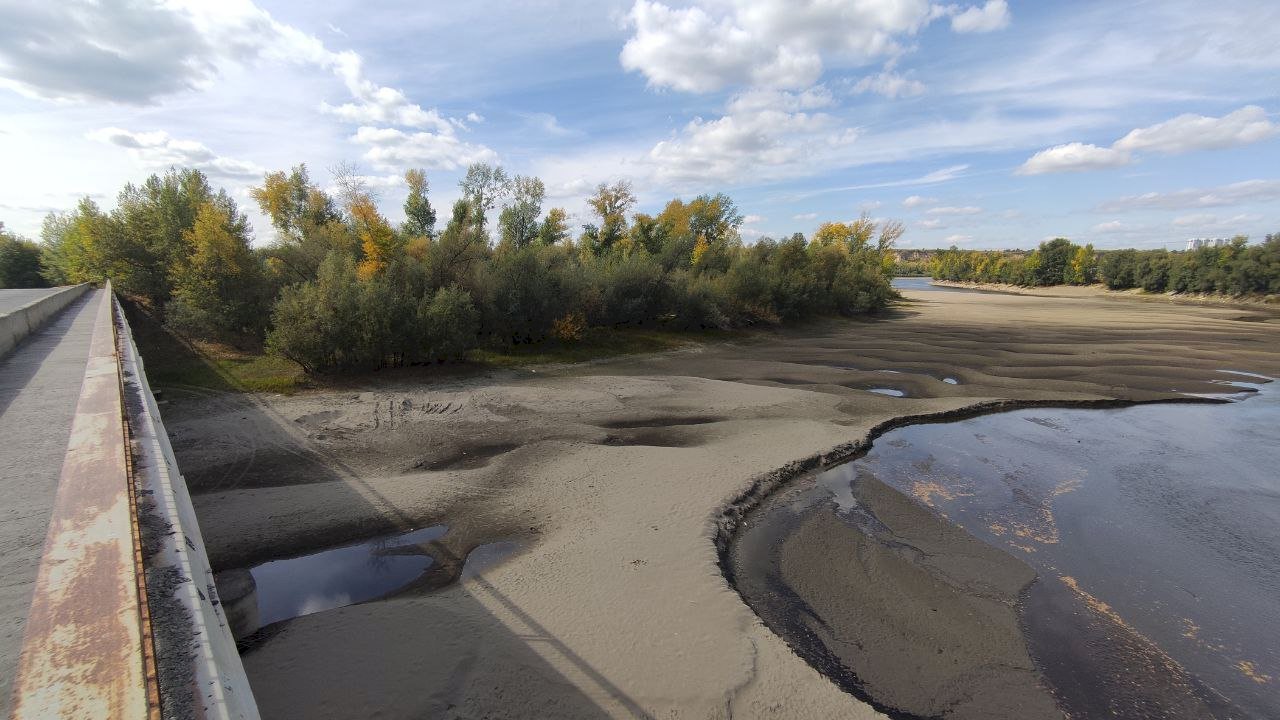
(379, 671)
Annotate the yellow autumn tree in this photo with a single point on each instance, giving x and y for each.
(849, 237)
(377, 239)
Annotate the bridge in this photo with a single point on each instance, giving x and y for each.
(107, 598)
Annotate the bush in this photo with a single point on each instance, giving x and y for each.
(344, 290)
(451, 322)
(19, 262)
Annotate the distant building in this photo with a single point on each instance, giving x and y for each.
(1196, 243)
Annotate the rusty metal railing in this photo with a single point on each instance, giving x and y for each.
(125, 621)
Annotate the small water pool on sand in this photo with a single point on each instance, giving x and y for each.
(891, 392)
(350, 574)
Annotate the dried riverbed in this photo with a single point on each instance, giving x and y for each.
(612, 477)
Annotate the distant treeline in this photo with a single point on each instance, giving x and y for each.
(1234, 269)
(341, 289)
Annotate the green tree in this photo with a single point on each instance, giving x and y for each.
(1119, 269)
(69, 252)
(519, 219)
(483, 188)
(1053, 261)
(452, 321)
(1083, 269)
(420, 217)
(307, 222)
(611, 203)
(218, 293)
(554, 228)
(19, 262)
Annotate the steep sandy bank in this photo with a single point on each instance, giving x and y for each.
(612, 475)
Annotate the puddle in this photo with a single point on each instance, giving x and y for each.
(340, 576)
(950, 381)
(891, 392)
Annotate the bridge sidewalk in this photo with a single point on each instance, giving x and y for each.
(39, 388)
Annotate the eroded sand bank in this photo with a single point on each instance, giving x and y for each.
(613, 476)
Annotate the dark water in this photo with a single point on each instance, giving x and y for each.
(1160, 522)
(351, 574)
(924, 283)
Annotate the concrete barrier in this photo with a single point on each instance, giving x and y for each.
(16, 325)
(125, 620)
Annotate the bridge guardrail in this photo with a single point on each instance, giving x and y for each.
(125, 621)
(21, 322)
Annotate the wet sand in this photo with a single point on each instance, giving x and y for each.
(908, 611)
(615, 477)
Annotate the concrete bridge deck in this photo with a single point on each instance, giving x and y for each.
(39, 387)
(107, 602)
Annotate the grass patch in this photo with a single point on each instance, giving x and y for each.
(173, 360)
(596, 343)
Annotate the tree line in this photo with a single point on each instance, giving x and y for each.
(1235, 269)
(342, 289)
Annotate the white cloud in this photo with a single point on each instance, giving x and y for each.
(869, 205)
(752, 219)
(934, 177)
(1184, 133)
(805, 216)
(957, 239)
(1073, 157)
(83, 50)
(1194, 220)
(1189, 132)
(756, 99)
(994, 15)
(915, 201)
(158, 150)
(1240, 193)
(390, 149)
(475, 117)
(1205, 221)
(715, 44)
(548, 123)
(1112, 226)
(761, 137)
(138, 52)
(387, 106)
(954, 211)
(931, 224)
(889, 84)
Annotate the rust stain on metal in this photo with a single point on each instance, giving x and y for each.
(83, 653)
(149, 667)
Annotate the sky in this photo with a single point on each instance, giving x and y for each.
(986, 124)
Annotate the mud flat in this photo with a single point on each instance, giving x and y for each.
(613, 478)
(1113, 562)
(913, 615)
